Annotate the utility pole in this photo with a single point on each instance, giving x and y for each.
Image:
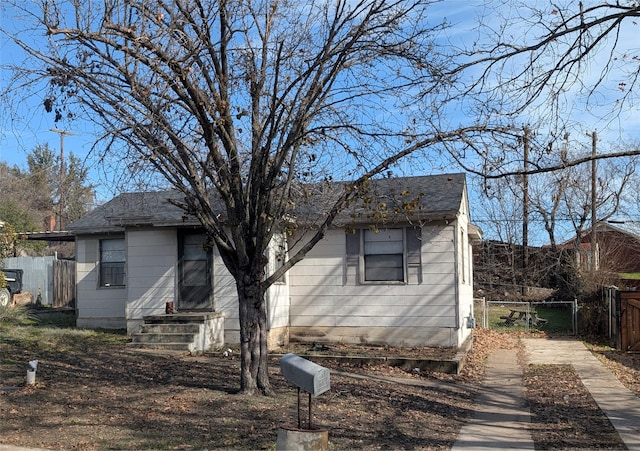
(594, 140)
(525, 212)
(61, 203)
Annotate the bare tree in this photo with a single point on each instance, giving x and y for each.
(248, 100)
(560, 205)
(552, 66)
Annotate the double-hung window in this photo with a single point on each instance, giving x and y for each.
(384, 256)
(112, 262)
(387, 256)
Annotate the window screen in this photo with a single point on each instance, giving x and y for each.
(383, 255)
(112, 263)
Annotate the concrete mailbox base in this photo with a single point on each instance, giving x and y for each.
(291, 438)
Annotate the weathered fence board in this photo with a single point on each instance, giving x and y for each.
(64, 283)
(630, 320)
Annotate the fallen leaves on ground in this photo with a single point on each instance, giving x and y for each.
(563, 413)
(105, 396)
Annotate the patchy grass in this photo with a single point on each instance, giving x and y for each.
(557, 316)
(92, 392)
(30, 315)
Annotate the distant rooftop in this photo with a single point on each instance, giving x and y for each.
(628, 227)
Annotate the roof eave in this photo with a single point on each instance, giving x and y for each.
(446, 216)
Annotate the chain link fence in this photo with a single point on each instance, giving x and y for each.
(558, 317)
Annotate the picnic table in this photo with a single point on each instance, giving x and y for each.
(519, 316)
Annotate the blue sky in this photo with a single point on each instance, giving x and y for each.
(24, 128)
(32, 128)
(32, 125)
(17, 138)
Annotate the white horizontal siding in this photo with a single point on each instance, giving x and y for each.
(434, 267)
(321, 280)
(278, 306)
(96, 306)
(224, 289)
(327, 292)
(225, 297)
(326, 298)
(152, 256)
(394, 336)
(366, 303)
(152, 261)
(326, 248)
(344, 293)
(465, 275)
(397, 317)
(313, 266)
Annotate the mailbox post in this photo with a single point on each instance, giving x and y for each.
(307, 376)
(314, 379)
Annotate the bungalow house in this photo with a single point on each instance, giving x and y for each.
(395, 269)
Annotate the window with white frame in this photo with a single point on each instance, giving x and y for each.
(112, 262)
(384, 255)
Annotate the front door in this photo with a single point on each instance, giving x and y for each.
(195, 281)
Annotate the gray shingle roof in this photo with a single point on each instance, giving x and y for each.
(428, 197)
(131, 209)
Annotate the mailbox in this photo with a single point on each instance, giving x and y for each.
(305, 374)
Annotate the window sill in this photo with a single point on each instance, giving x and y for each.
(383, 282)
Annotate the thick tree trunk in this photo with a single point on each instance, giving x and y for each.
(254, 374)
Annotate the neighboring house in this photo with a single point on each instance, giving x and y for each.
(617, 252)
(395, 271)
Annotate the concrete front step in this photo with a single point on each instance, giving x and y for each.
(180, 318)
(187, 347)
(193, 332)
(171, 328)
(163, 338)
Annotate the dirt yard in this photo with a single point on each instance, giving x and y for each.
(93, 393)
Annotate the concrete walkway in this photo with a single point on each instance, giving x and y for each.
(502, 419)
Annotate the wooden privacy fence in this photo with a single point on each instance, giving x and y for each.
(629, 320)
(64, 283)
